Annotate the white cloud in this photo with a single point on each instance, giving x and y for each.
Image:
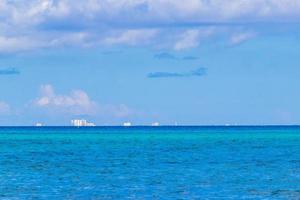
(191, 38)
(153, 11)
(72, 39)
(51, 23)
(131, 37)
(77, 102)
(4, 108)
(241, 37)
(13, 44)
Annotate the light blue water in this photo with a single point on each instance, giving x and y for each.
(150, 163)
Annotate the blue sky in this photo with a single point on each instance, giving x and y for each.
(193, 62)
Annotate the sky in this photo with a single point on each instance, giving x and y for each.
(192, 62)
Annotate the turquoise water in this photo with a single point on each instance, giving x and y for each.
(150, 163)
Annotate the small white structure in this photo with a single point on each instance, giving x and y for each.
(126, 124)
(81, 122)
(38, 124)
(155, 124)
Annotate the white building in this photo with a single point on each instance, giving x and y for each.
(155, 124)
(38, 124)
(126, 124)
(81, 122)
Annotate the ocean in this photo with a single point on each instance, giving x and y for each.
(109, 163)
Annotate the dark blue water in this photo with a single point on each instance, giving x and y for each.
(150, 163)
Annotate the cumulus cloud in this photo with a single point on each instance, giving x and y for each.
(50, 23)
(194, 73)
(77, 102)
(4, 108)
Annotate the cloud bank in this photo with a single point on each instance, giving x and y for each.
(181, 25)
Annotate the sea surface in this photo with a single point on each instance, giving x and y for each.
(150, 163)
